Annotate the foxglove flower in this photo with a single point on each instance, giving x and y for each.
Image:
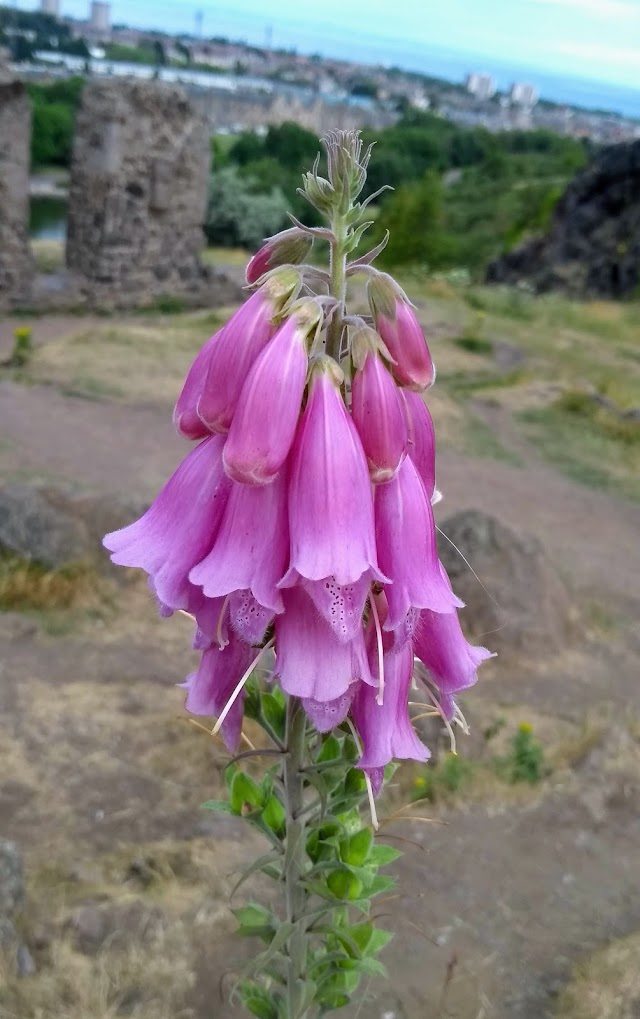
(330, 499)
(377, 413)
(441, 646)
(180, 526)
(402, 334)
(250, 551)
(287, 247)
(406, 541)
(231, 356)
(265, 420)
(385, 729)
(211, 686)
(421, 446)
(310, 661)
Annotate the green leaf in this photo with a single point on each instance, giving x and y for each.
(319, 784)
(356, 850)
(361, 934)
(220, 805)
(380, 884)
(269, 864)
(382, 855)
(258, 1001)
(273, 710)
(379, 939)
(355, 783)
(254, 920)
(273, 814)
(344, 885)
(244, 790)
(330, 751)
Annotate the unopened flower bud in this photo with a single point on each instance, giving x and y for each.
(289, 247)
(401, 331)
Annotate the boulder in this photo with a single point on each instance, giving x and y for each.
(519, 604)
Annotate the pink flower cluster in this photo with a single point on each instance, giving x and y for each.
(302, 521)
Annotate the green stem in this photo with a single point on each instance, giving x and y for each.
(296, 855)
(338, 289)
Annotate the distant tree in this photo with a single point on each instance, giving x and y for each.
(291, 145)
(239, 217)
(414, 215)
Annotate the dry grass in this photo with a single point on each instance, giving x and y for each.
(25, 585)
(606, 985)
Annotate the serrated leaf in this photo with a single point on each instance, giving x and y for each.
(382, 855)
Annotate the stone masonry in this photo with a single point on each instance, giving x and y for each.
(138, 195)
(16, 267)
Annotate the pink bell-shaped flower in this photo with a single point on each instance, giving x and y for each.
(265, 420)
(185, 415)
(442, 647)
(287, 247)
(211, 686)
(236, 348)
(402, 333)
(422, 444)
(385, 729)
(250, 550)
(330, 500)
(377, 412)
(180, 526)
(406, 541)
(310, 661)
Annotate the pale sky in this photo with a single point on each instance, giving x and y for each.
(591, 39)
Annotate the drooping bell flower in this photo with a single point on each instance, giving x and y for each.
(310, 661)
(289, 247)
(236, 348)
(328, 715)
(407, 551)
(211, 686)
(180, 526)
(402, 333)
(185, 414)
(385, 729)
(341, 605)
(421, 446)
(265, 420)
(330, 499)
(248, 618)
(251, 547)
(377, 409)
(442, 647)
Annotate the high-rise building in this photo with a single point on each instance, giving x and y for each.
(50, 7)
(100, 17)
(523, 94)
(482, 86)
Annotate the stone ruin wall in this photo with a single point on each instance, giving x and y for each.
(16, 266)
(138, 194)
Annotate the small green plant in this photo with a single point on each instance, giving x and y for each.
(22, 347)
(525, 762)
(442, 780)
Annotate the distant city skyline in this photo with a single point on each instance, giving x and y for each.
(594, 40)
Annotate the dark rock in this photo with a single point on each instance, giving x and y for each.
(8, 934)
(25, 964)
(12, 892)
(54, 527)
(89, 927)
(593, 246)
(525, 606)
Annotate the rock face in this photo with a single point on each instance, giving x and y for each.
(138, 194)
(525, 608)
(12, 891)
(593, 247)
(16, 267)
(55, 528)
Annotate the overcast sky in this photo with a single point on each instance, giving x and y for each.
(593, 39)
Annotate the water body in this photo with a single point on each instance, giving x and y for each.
(48, 218)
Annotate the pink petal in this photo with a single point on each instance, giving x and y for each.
(310, 661)
(377, 411)
(265, 420)
(341, 605)
(209, 689)
(406, 539)
(249, 619)
(185, 415)
(385, 729)
(180, 526)
(327, 715)
(250, 551)
(422, 442)
(403, 337)
(330, 501)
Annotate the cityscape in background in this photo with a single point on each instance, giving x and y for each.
(245, 86)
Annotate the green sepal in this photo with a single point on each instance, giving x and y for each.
(344, 884)
(331, 751)
(221, 806)
(255, 921)
(382, 855)
(274, 712)
(355, 850)
(258, 1001)
(274, 814)
(244, 790)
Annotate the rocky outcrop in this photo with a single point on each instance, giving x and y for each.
(516, 603)
(593, 246)
(16, 267)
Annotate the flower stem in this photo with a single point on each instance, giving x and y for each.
(295, 855)
(338, 289)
